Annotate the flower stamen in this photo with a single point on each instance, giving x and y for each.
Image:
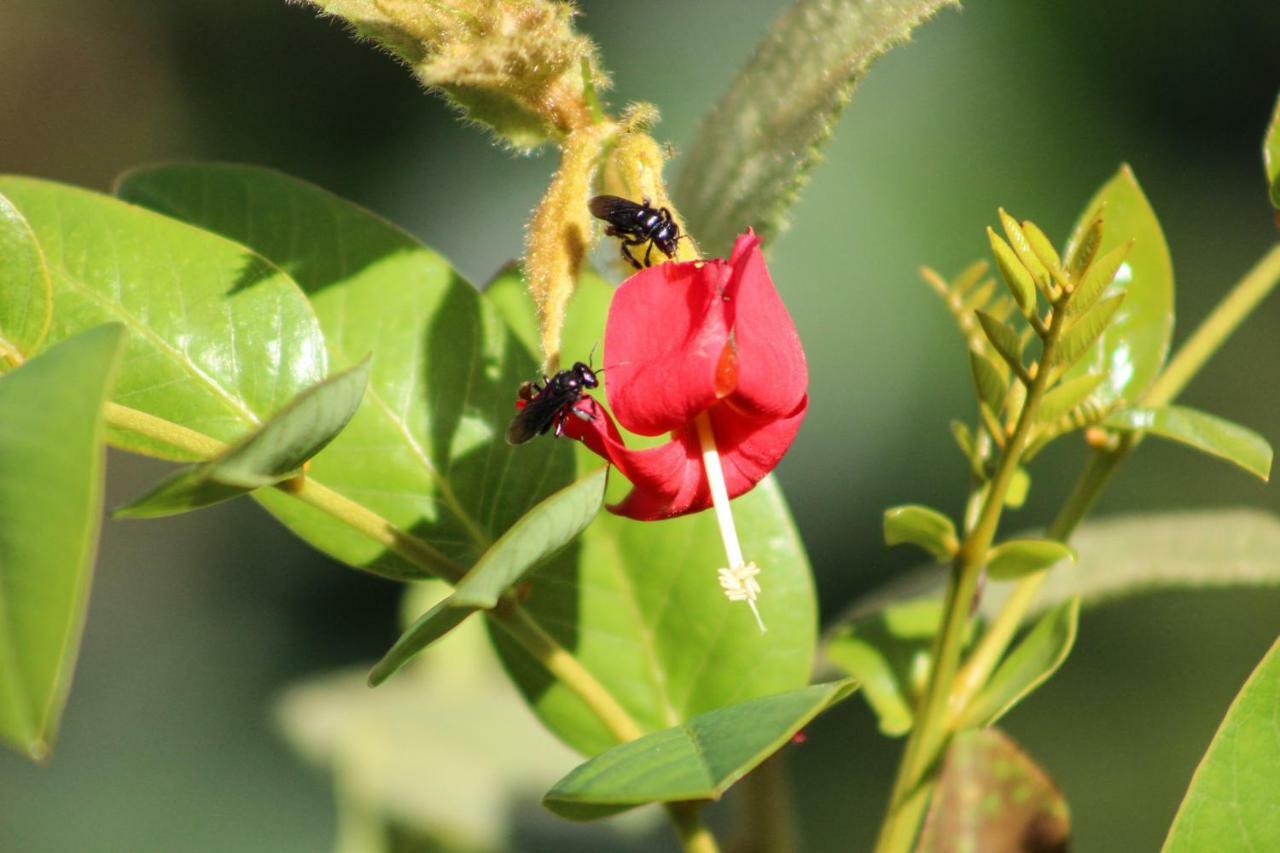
(739, 579)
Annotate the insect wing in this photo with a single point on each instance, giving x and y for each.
(609, 207)
(536, 417)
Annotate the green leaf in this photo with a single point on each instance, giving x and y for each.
(1041, 247)
(1133, 348)
(218, 337)
(991, 796)
(1019, 486)
(1066, 396)
(1023, 249)
(425, 450)
(1271, 157)
(923, 527)
(434, 624)
(1085, 249)
(51, 462)
(888, 652)
(1206, 433)
(698, 760)
(1097, 278)
(1003, 339)
(26, 294)
(1016, 558)
(638, 603)
(988, 382)
(755, 148)
(1026, 667)
(1015, 275)
(1231, 803)
(270, 454)
(543, 531)
(1085, 331)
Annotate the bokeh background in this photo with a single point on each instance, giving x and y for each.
(197, 622)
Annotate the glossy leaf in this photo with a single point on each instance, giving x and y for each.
(434, 624)
(1206, 433)
(755, 148)
(923, 527)
(991, 796)
(26, 294)
(1066, 396)
(51, 462)
(639, 603)
(698, 760)
(888, 652)
(988, 382)
(1133, 348)
(425, 450)
(1016, 276)
(1231, 803)
(1004, 340)
(1031, 662)
(1271, 157)
(219, 338)
(543, 531)
(1016, 558)
(270, 454)
(1082, 334)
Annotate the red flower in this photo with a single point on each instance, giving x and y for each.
(684, 339)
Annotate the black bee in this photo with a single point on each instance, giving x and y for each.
(549, 404)
(637, 224)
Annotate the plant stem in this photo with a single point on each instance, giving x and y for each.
(930, 732)
(1204, 342)
(693, 833)
(766, 824)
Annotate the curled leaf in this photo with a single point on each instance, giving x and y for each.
(923, 527)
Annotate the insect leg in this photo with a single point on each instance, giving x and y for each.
(627, 255)
(647, 253)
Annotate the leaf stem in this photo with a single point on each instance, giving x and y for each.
(930, 732)
(693, 833)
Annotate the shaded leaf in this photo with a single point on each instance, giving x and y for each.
(991, 796)
(1231, 803)
(1133, 348)
(270, 454)
(1026, 667)
(754, 149)
(425, 449)
(1017, 558)
(1271, 156)
(1016, 276)
(543, 531)
(219, 338)
(923, 527)
(434, 624)
(1003, 339)
(1066, 396)
(51, 462)
(639, 603)
(1206, 433)
(26, 294)
(888, 652)
(1084, 332)
(698, 760)
(988, 382)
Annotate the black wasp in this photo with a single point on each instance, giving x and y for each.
(637, 224)
(549, 404)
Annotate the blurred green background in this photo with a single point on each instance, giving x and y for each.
(197, 622)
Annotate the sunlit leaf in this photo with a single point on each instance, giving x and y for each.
(639, 603)
(1206, 433)
(991, 796)
(1042, 247)
(219, 339)
(1132, 350)
(1069, 394)
(988, 382)
(1024, 251)
(1003, 339)
(754, 150)
(1097, 278)
(270, 454)
(1085, 248)
(1016, 276)
(698, 760)
(26, 294)
(1271, 157)
(888, 652)
(1231, 803)
(50, 500)
(1085, 331)
(1016, 558)
(431, 626)
(425, 450)
(923, 527)
(1031, 662)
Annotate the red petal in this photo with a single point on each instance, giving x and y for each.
(750, 447)
(772, 374)
(667, 327)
